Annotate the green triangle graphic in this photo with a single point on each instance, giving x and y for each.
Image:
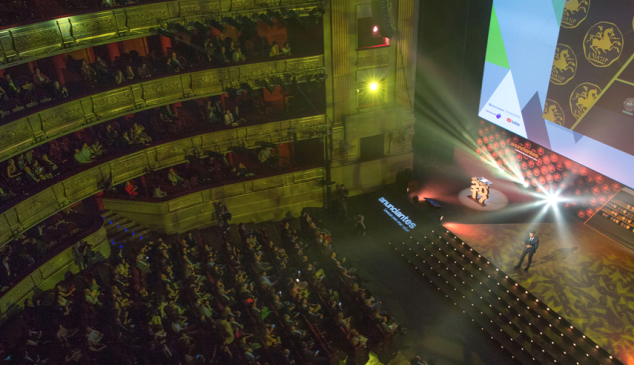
(496, 54)
(558, 6)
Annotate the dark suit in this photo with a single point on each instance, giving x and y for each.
(30, 179)
(530, 251)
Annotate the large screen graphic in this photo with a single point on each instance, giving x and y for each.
(560, 73)
(521, 43)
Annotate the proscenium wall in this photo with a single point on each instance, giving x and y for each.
(452, 38)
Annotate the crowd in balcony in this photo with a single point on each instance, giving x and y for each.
(276, 294)
(213, 168)
(34, 247)
(24, 88)
(27, 173)
(22, 11)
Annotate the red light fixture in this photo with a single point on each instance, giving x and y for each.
(375, 31)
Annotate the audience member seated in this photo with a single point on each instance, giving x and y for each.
(59, 92)
(286, 50)
(173, 64)
(229, 118)
(275, 50)
(129, 73)
(119, 78)
(158, 193)
(39, 79)
(144, 71)
(30, 179)
(174, 178)
(11, 87)
(237, 55)
(235, 113)
(13, 173)
(88, 73)
(83, 156)
(131, 189)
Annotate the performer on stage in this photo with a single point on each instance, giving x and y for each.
(531, 243)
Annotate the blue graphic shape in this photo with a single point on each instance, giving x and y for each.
(577, 136)
(534, 122)
(493, 76)
(530, 34)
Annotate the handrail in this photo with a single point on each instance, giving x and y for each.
(43, 39)
(28, 211)
(43, 126)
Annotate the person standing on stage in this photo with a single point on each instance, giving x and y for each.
(342, 200)
(359, 224)
(531, 243)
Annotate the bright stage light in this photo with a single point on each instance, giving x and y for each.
(552, 198)
(374, 86)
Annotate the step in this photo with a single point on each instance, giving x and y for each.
(497, 310)
(587, 348)
(503, 334)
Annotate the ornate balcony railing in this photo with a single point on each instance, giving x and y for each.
(43, 126)
(53, 198)
(257, 199)
(30, 42)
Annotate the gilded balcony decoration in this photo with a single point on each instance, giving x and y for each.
(57, 120)
(197, 7)
(41, 127)
(30, 42)
(37, 207)
(33, 40)
(140, 19)
(93, 28)
(116, 102)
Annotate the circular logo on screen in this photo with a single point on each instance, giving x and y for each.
(582, 98)
(554, 112)
(603, 44)
(575, 11)
(628, 105)
(564, 65)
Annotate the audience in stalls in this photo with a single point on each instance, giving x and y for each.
(30, 249)
(129, 67)
(205, 299)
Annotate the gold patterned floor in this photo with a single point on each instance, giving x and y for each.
(582, 275)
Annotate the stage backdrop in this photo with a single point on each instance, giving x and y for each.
(582, 189)
(560, 73)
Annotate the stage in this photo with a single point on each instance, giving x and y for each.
(581, 274)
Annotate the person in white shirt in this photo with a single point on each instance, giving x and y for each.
(228, 118)
(158, 193)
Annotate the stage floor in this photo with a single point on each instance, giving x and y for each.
(584, 276)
